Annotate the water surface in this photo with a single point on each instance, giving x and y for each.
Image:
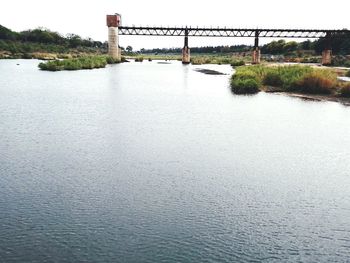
(148, 162)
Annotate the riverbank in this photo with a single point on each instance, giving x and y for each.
(312, 97)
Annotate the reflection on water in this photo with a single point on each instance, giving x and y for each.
(146, 162)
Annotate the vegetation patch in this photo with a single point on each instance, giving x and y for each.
(87, 62)
(318, 82)
(345, 90)
(347, 74)
(220, 60)
(237, 63)
(139, 59)
(245, 82)
(287, 78)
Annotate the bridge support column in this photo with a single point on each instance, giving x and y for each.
(256, 56)
(186, 57)
(113, 22)
(256, 52)
(326, 57)
(327, 52)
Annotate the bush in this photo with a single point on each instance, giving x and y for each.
(237, 63)
(245, 86)
(347, 74)
(245, 82)
(318, 82)
(111, 60)
(273, 79)
(53, 65)
(345, 90)
(139, 59)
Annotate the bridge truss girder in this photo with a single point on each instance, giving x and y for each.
(231, 32)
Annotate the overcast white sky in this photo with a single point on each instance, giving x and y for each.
(87, 17)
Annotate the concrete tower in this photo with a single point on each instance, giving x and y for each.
(113, 22)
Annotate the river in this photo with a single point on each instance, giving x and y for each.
(149, 162)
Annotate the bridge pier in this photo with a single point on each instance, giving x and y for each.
(113, 22)
(327, 52)
(186, 57)
(327, 57)
(256, 52)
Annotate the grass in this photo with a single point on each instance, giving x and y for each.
(217, 59)
(345, 90)
(86, 62)
(236, 63)
(139, 59)
(288, 78)
(317, 82)
(245, 81)
(151, 57)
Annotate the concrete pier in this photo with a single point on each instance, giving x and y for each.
(256, 52)
(327, 57)
(186, 56)
(327, 52)
(256, 56)
(113, 22)
(113, 43)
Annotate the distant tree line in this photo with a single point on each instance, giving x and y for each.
(43, 39)
(340, 45)
(204, 50)
(45, 36)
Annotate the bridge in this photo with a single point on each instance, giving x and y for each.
(115, 29)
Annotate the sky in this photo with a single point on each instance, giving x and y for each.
(87, 18)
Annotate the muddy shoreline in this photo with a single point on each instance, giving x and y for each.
(313, 97)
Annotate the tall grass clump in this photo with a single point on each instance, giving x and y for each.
(345, 90)
(245, 81)
(139, 59)
(273, 79)
(318, 82)
(237, 63)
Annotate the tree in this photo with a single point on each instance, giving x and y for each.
(129, 49)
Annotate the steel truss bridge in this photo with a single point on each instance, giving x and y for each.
(232, 32)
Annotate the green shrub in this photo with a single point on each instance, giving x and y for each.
(237, 63)
(347, 74)
(86, 62)
(111, 60)
(273, 79)
(53, 65)
(139, 59)
(345, 90)
(318, 82)
(244, 86)
(245, 82)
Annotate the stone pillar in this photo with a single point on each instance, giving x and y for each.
(256, 56)
(327, 52)
(326, 57)
(186, 57)
(256, 52)
(113, 22)
(113, 43)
